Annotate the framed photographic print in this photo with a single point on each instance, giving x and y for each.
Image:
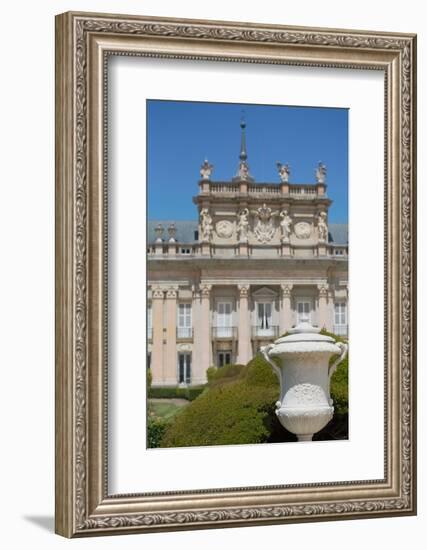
(235, 221)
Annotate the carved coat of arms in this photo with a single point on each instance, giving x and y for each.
(264, 228)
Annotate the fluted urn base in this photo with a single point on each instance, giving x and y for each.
(304, 422)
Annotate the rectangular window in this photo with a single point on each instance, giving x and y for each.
(149, 322)
(184, 368)
(224, 319)
(224, 358)
(264, 319)
(184, 321)
(303, 311)
(340, 313)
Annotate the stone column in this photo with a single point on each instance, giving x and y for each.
(157, 349)
(171, 353)
(198, 374)
(285, 308)
(244, 345)
(323, 317)
(331, 311)
(202, 336)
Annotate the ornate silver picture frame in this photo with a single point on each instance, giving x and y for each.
(84, 42)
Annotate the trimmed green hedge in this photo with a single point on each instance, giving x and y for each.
(234, 412)
(223, 375)
(190, 392)
(155, 431)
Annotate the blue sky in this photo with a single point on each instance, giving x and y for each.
(182, 134)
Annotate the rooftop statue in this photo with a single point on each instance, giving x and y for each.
(284, 172)
(243, 171)
(206, 170)
(321, 173)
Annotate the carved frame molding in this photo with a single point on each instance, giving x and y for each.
(83, 43)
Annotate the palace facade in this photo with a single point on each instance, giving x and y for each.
(260, 259)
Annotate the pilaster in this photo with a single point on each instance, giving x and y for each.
(323, 317)
(285, 307)
(171, 353)
(244, 342)
(157, 296)
(202, 334)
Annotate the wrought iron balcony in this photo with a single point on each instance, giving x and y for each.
(271, 332)
(224, 333)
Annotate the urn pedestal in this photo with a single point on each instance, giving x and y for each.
(301, 361)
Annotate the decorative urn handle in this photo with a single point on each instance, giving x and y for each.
(264, 351)
(333, 367)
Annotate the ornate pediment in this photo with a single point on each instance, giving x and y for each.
(264, 292)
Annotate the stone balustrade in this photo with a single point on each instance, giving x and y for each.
(264, 190)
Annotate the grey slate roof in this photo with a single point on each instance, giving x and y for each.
(185, 231)
(338, 233)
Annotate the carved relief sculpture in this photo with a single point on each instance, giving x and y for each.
(286, 225)
(243, 225)
(264, 228)
(206, 226)
(224, 229)
(302, 230)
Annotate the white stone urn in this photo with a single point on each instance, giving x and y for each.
(301, 361)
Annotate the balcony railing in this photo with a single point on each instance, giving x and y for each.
(270, 332)
(224, 333)
(297, 190)
(341, 330)
(224, 188)
(302, 190)
(264, 189)
(184, 333)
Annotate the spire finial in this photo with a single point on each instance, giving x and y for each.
(243, 154)
(243, 171)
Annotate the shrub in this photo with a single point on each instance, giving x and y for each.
(155, 431)
(162, 392)
(149, 378)
(236, 411)
(192, 392)
(260, 373)
(171, 392)
(224, 374)
(210, 373)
